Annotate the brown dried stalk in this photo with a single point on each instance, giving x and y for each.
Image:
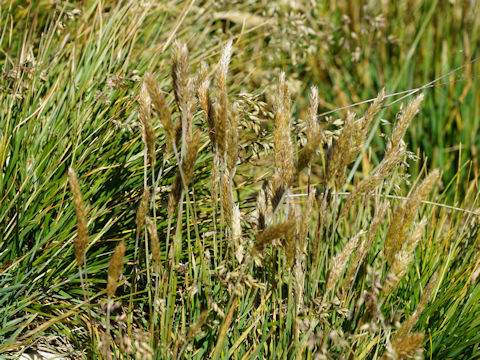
(115, 268)
(82, 235)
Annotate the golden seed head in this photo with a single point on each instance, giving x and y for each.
(180, 75)
(146, 125)
(161, 108)
(281, 230)
(339, 262)
(282, 141)
(81, 211)
(221, 117)
(154, 242)
(408, 346)
(142, 209)
(405, 119)
(115, 268)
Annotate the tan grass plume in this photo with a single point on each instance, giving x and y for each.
(405, 214)
(222, 100)
(154, 243)
(162, 109)
(282, 140)
(142, 209)
(146, 125)
(339, 262)
(115, 268)
(81, 240)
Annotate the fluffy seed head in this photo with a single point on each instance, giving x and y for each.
(207, 106)
(180, 75)
(142, 209)
(404, 121)
(407, 346)
(161, 108)
(282, 141)
(365, 246)
(339, 262)
(184, 176)
(222, 99)
(312, 125)
(374, 109)
(146, 125)
(82, 235)
(405, 214)
(154, 243)
(115, 268)
(369, 184)
(237, 234)
(273, 232)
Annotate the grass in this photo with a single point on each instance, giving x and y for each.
(274, 223)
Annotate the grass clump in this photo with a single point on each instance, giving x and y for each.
(223, 222)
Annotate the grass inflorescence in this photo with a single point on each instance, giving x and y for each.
(172, 189)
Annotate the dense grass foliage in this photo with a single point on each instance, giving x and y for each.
(172, 186)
